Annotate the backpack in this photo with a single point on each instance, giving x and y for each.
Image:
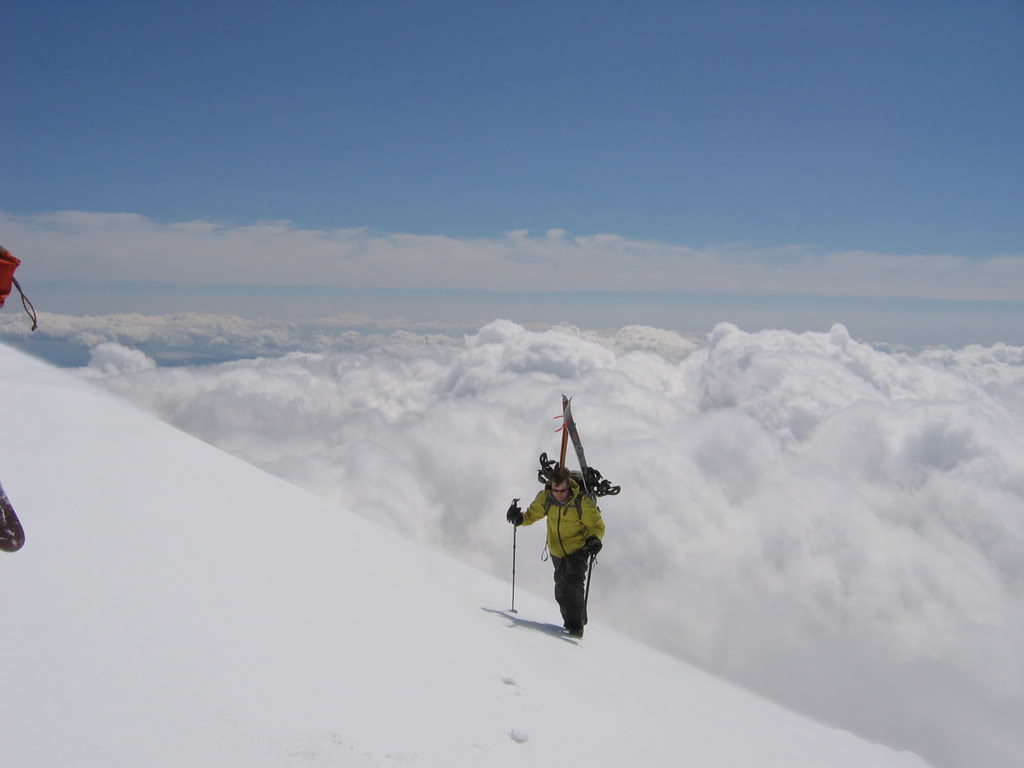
(8, 264)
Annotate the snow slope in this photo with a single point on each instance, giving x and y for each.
(175, 606)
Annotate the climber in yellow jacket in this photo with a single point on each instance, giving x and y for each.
(575, 530)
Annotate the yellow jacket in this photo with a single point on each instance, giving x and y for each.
(569, 524)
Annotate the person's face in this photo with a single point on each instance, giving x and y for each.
(561, 490)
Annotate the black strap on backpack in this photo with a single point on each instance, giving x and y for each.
(590, 478)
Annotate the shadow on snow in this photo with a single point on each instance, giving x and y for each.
(548, 629)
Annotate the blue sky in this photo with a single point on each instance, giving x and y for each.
(890, 128)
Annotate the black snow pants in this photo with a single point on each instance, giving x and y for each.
(570, 575)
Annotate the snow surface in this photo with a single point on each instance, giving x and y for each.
(175, 606)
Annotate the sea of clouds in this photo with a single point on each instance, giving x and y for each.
(837, 526)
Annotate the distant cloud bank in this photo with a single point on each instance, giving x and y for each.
(91, 247)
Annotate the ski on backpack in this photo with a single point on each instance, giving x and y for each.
(569, 425)
(588, 478)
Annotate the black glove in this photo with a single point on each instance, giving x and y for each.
(514, 514)
(592, 547)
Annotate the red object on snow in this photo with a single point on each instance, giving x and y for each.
(8, 263)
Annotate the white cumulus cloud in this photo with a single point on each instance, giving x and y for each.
(787, 498)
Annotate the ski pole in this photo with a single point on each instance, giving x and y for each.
(515, 530)
(514, 516)
(586, 593)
